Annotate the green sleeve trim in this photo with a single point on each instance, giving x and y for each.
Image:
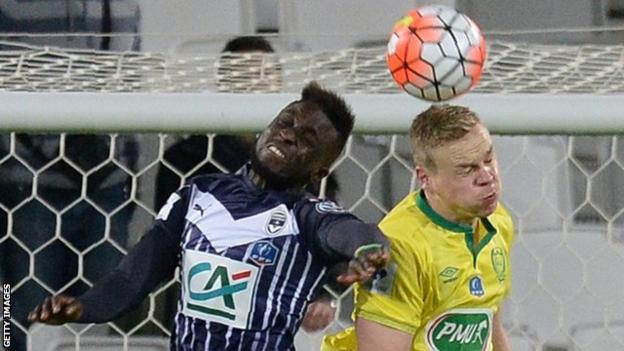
(368, 247)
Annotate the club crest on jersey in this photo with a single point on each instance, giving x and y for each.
(264, 253)
(476, 286)
(329, 207)
(499, 263)
(277, 221)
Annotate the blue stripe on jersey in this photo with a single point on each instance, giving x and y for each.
(278, 286)
(184, 337)
(232, 339)
(230, 209)
(216, 343)
(200, 335)
(278, 280)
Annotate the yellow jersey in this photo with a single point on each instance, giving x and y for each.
(438, 286)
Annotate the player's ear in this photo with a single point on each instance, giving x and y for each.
(319, 174)
(421, 176)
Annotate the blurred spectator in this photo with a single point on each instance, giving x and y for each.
(73, 17)
(40, 190)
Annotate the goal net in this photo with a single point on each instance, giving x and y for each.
(92, 141)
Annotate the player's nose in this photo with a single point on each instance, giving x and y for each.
(287, 135)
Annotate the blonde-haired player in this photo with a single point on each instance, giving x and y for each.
(450, 245)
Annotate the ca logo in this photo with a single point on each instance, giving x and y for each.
(217, 288)
(218, 285)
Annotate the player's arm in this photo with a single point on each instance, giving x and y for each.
(500, 340)
(339, 236)
(322, 310)
(388, 309)
(320, 313)
(372, 336)
(147, 264)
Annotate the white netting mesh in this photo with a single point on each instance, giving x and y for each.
(563, 191)
(75, 203)
(510, 68)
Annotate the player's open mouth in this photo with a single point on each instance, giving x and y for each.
(276, 151)
(490, 197)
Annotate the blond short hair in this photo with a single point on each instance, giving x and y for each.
(436, 126)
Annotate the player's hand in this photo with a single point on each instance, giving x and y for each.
(57, 310)
(365, 263)
(319, 315)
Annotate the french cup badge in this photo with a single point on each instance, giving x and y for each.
(476, 286)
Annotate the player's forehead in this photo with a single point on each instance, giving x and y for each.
(473, 147)
(307, 115)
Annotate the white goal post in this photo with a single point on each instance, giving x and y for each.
(557, 113)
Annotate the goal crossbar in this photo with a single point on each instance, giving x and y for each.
(227, 112)
(524, 89)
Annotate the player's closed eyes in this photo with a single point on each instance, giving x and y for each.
(468, 170)
(308, 139)
(285, 123)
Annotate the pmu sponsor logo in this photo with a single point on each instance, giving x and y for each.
(218, 288)
(460, 330)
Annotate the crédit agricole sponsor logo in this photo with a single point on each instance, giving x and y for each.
(217, 288)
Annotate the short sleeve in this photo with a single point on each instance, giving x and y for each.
(317, 220)
(395, 297)
(171, 215)
(505, 226)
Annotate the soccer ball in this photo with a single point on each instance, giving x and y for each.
(436, 53)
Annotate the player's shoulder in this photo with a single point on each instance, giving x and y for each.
(502, 220)
(404, 226)
(312, 209)
(322, 206)
(405, 220)
(502, 217)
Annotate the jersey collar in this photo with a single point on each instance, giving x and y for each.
(244, 173)
(423, 205)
